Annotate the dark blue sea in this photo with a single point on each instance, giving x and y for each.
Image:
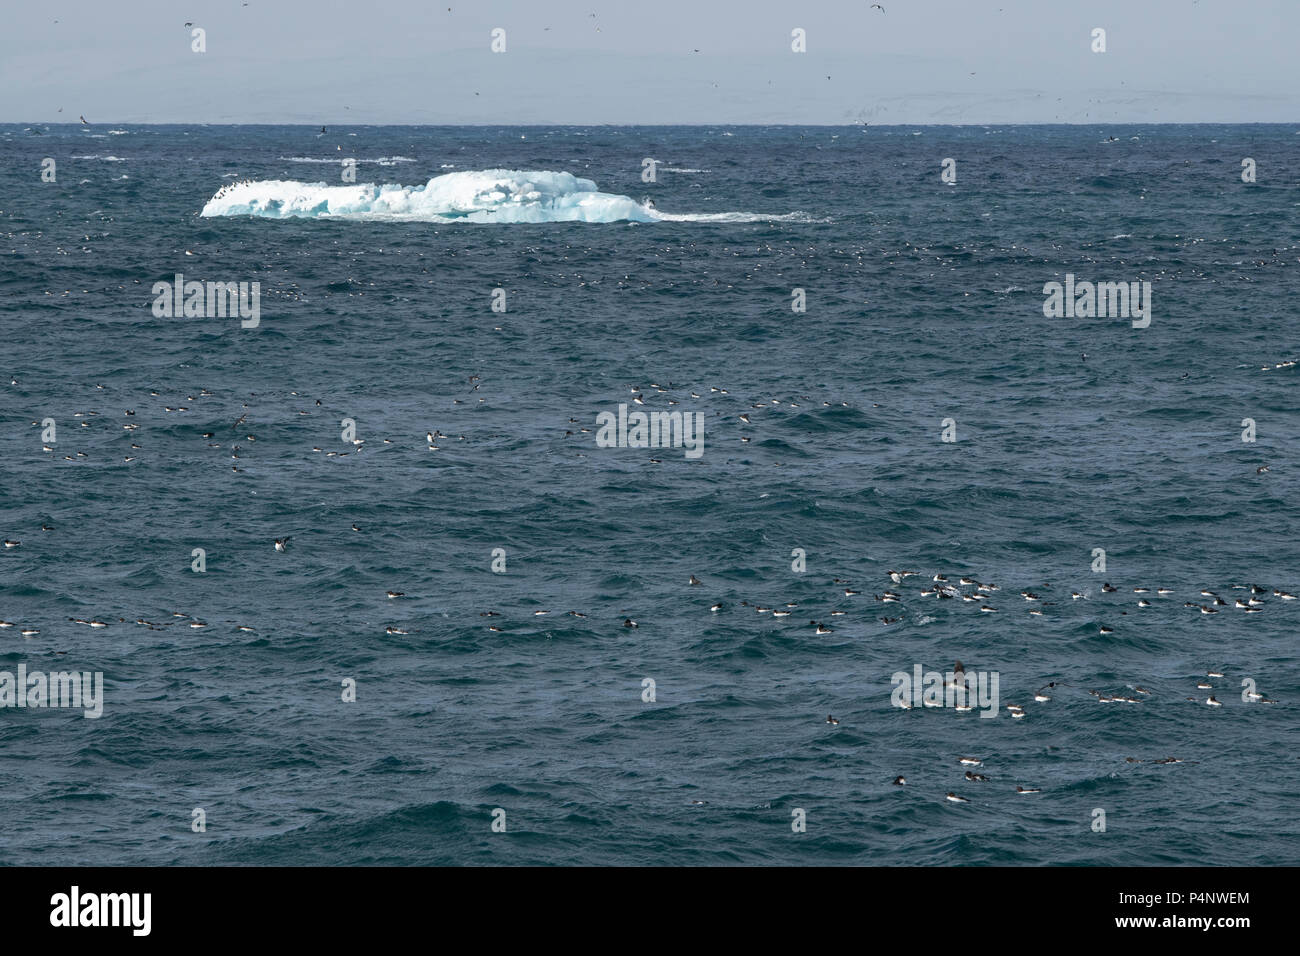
(924, 303)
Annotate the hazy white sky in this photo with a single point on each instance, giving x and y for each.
(417, 61)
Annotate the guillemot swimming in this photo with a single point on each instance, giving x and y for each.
(970, 761)
(956, 799)
(281, 543)
(831, 720)
(1020, 789)
(900, 781)
(1109, 588)
(716, 607)
(694, 581)
(976, 777)
(395, 594)
(823, 629)
(393, 630)
(1212, 702)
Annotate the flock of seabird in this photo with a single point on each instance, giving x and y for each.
(938, 588)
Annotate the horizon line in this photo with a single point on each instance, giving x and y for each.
(653, 125)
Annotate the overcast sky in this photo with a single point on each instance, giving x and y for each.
(418, 62)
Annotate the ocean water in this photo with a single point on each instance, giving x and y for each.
(924, 303)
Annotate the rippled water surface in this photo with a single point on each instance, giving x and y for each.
(924, 303)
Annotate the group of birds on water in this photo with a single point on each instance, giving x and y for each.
(940, 588)
(973, 777)
(968, 590)
(1042, 695)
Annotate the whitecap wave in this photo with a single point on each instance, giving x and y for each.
(335, 160)
(483, 196)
